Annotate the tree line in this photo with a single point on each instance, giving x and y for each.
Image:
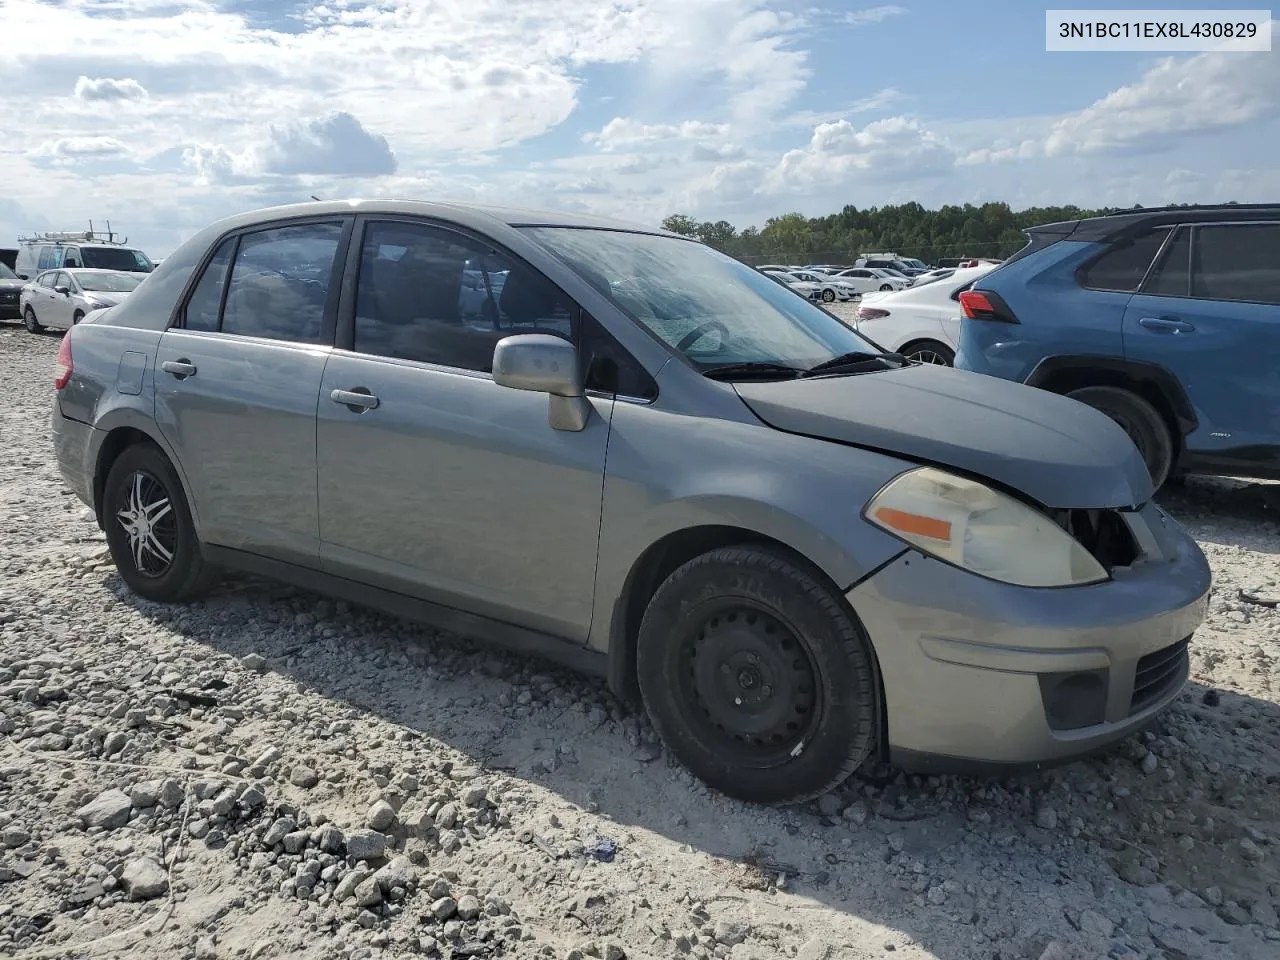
(908, 229)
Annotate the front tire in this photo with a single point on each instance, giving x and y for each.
(828, 296)
(77, 317)
(757, 677)
(887, 287)
(30, 322)
(1140, 420)
(930, 351)
(149, 530)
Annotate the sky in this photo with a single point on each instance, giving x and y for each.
(165, 115)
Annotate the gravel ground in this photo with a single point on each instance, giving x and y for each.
(272, 774)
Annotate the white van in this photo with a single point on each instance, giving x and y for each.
(37, 255)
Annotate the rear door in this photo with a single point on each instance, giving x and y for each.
(1209, 311)
(237, 379)
(442, 483)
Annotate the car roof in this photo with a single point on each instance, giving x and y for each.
(1122, 223)
(511, 215)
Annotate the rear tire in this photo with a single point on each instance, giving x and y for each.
(757, 677)
(30, 322)
(930, 351)
(1140, 420)
(158, 558)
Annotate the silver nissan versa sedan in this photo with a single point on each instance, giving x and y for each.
(798, 552)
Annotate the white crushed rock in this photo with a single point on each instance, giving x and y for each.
(291, 777)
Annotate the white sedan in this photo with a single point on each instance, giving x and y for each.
(922, 322)
(869, 279)
(830, 289)
(59, 299)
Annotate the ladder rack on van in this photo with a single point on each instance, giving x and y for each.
(72, 236)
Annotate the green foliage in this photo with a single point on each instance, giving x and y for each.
(908, 229)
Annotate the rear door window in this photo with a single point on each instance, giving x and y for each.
(1123, 266)
(280, 283)
(206, 300)
(1171, 276)
(1237, 262)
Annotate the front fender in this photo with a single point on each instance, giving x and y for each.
(668, 473)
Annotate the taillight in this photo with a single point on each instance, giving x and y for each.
(871, 313)
(62, 367)
(985, 305)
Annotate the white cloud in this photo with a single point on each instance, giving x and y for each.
(106, 88)
(1175, 98)
(335, 146)
(896, 148)
(80, 148)
(624, 132)
(873, 14)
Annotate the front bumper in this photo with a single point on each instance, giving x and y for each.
(985, 675)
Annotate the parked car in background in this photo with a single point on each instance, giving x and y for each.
(1167, 320)
(59, 299)
(921, 322)
(866, 280)
(10, 294)
(830, 289)
(898, 267)
(827, 268)
(40, 254)
(799, 555)
(810, 291)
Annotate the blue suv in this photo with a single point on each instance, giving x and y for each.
(1167, 320)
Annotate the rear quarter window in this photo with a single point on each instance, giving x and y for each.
(1122, 267)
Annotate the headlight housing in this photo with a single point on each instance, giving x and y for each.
(968, 524)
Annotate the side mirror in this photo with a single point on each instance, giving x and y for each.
(544, 364)
(62, 289)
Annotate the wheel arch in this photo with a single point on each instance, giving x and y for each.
(660, 559)
(1151, 381)
(117, 436)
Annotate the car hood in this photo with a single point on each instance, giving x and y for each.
(1052, 449)
(12, 286)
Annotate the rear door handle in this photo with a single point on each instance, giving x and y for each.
(1166, 325)
(179, 368)
(358, 400)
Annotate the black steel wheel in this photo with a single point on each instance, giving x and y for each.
(148, 527)
(757, 676)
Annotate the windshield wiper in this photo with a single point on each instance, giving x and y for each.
(858, 358)
(752, 369)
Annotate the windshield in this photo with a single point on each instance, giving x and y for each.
(704, 305)
(115, 258)
(107, 282)
(6, 273)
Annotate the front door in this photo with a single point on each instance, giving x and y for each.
(237, 381)
(1209, 311)
(443, 484)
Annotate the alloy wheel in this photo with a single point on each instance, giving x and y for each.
(148, 519)
(928, 356)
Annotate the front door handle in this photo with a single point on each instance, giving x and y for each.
(1166, 325)
(357, 400)
(179, 368)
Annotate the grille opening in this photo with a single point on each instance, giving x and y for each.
(1158, 673)
(1104, 534)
